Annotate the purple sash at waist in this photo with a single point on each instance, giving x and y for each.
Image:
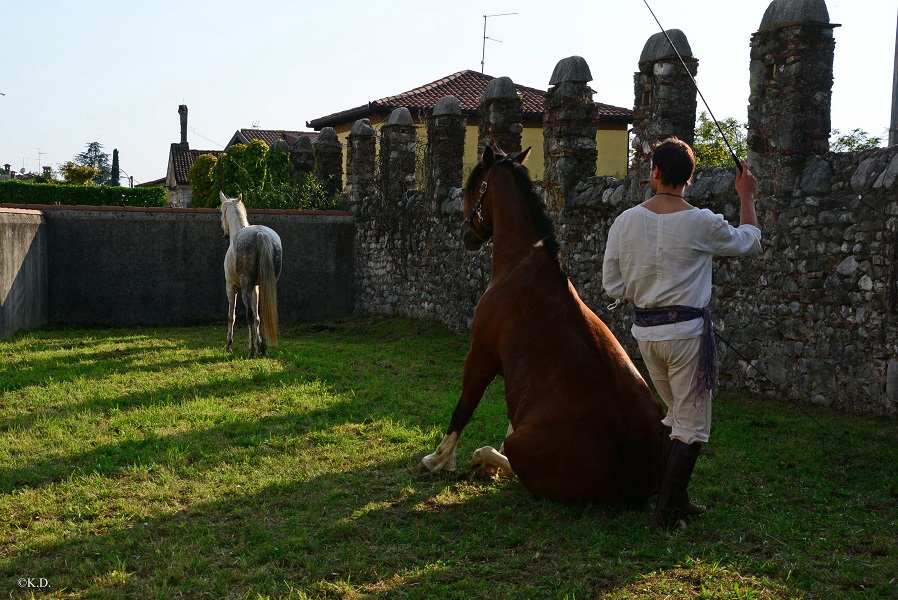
(665, 315)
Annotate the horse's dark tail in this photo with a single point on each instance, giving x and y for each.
(268, 292)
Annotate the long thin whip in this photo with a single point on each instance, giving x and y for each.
(702, 96)
(738, 166)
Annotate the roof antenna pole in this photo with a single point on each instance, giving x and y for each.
(483, 54)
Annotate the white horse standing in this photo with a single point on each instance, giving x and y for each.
(252, 265)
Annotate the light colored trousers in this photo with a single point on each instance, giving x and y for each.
(673, 367)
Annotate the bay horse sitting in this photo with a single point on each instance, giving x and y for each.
(583, 424)
(252, 266)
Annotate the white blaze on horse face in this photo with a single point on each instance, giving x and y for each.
(443, 458)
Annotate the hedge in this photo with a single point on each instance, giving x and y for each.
(18, 192)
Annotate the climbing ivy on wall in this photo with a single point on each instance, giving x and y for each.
(262, 175)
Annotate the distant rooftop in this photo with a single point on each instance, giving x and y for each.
(183, 159)
(270, 136)
(468, 87)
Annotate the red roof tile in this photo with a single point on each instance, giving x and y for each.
(270, 136)
(468, 87)
(183, 159)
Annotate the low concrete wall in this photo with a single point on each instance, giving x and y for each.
(129, 267)
(23, 270)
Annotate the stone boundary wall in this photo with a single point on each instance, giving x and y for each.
(815, 311)
(23, 270)
(128, 267)
(813, 317)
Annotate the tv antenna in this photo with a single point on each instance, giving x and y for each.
(485, 38)
(39, 154)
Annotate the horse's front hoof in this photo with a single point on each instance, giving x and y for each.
(435, 462)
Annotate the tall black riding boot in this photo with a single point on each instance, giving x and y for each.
(673, 499)
(690, 509)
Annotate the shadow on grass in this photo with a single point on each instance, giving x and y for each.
(74, 359)
(794, 511)
(385, 532)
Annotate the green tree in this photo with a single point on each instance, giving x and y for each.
(709, 147)
(93, 156)
(857, 140)
(76, 174)
(45, 177)
(202, 180)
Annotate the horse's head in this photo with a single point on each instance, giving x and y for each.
(477, 227)
(227, 205)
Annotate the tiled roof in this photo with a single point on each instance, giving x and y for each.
(270, 136)
(155, 183)
(183, 159)
(468, 87)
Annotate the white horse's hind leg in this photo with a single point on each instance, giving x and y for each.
(491, 463)
(257, 324)
(251, 302)
(443, 458)
(232, 310)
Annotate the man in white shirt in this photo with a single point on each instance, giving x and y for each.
(658, 256)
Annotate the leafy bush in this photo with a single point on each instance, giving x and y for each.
(308, 194)
(202, 181)
(278, 166)
(709, 146)
(855, 141)
(18, 192)
(75, 174)
(262, 175)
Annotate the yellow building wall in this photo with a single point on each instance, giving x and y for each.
(612, 146)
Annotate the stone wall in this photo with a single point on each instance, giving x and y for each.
(23, 270)
(815, 312)
(127, 267)
(813, 317)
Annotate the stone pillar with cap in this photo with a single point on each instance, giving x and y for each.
(501, 114)
(398, 149)
(361, 165)
(790, 96)
(329, 161)
(302, 159)
(665, 102)
(444, 155)
(569, 130)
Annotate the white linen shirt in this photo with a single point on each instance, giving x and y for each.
(661, 260)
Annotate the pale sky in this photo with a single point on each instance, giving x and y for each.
(115, 72)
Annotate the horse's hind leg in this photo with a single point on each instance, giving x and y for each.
(232, 310)
(491, 463)
(251, 302)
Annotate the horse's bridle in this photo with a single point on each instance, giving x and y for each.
(477, 207)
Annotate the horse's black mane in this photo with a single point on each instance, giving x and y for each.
(545, 227)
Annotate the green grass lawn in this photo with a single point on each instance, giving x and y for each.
(149, 463)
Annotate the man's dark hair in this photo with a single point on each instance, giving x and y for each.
(675, 160)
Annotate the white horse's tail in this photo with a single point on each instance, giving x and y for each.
(268, 292)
